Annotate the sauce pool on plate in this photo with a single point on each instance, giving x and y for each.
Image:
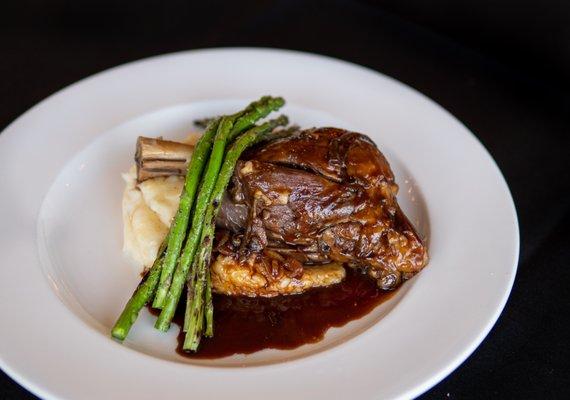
(243, 325)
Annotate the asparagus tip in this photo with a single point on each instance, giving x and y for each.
(119, 333)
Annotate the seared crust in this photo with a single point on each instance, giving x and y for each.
(231, 277)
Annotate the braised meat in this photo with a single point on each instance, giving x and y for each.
(324, 195)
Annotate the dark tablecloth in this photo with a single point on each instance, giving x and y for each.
(522, 119)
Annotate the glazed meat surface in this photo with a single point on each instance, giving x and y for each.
(324, 195)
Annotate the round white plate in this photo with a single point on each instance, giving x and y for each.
(64, 280)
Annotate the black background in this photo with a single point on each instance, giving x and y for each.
(501, 67)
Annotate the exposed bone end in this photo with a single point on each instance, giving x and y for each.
(157, 157)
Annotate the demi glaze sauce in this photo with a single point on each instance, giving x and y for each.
(243, 325)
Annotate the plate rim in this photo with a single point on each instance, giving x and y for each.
(412, 392)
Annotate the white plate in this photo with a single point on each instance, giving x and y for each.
(63, 279)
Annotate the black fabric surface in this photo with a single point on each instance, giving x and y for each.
(505, 76)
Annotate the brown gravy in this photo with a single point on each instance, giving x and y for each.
(244, 325)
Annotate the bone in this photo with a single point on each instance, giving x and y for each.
(157, 157)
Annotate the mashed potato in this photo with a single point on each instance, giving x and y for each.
(148, 208)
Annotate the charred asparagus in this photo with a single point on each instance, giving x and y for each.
(228, 127)
(201, 289)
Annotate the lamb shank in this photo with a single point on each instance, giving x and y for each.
(299, 208)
